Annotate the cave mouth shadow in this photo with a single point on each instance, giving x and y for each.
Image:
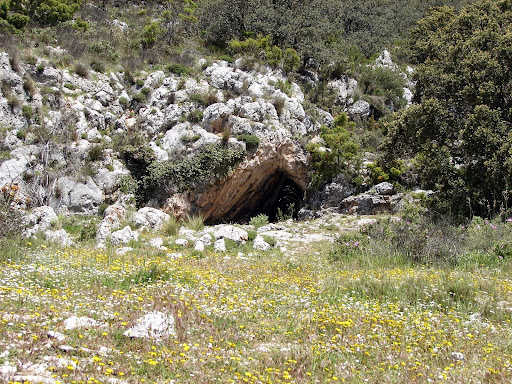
(281, 198)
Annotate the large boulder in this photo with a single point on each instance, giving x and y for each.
(226, 231)
(78, 196)
(40, 219)
(150, 217)
(124, 236)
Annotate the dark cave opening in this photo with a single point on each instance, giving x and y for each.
(279, 196)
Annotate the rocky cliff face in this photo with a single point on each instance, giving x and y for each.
(65, 135)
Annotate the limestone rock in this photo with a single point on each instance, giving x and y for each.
(60, 237)
(182, 242)
(78, 196)
(199, 246)
(124, 236)
(112, 220)
(155, 325)
(360, 108)
(220, 245)
(178, 205)
(231, 232)
(344, 89)
(74, 322)
(150, 217)
(384, 188)
(260, 244)
(39, 219)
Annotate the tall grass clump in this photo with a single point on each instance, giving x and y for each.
(171, 227)
(259, 220)
(195, 222)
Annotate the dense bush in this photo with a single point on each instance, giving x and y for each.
(458, 133)
(340, 153)
(212, 162)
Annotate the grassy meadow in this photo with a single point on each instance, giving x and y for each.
(353, 311)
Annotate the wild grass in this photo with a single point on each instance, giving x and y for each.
(296, 316)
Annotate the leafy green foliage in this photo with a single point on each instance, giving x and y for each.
(339, 153)
(252, 141)
(458, 134)
(211, 162)
(259, 220)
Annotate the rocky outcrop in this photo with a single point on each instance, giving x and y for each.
(255, 184)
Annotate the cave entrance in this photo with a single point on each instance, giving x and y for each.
(278, 197)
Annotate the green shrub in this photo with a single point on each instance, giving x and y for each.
(340, 154)
(150, 34)
(178, 69)
(213, 161)
(251, 234)
(127, 184)
(227, 58)
(18, 20)
(124, 102)
(27, 111)
(81, 25)
(171, 227)
(259, 220)
(291, 60)
(196, 116)
(252, 141)
(270, 240)
(195, 222)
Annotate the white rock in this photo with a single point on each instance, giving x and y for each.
(80, 197)
(39, 219)
(124, 236)
(260, 244)
(155, 325)
(220, 245)
(61, 237)
(150, 217)
(56, 335)
(123, 250)
(199, 246)
(458, 356)
(80, 322)
(120, 24)
(231, 232)
(157, 242)
(360, 108)
(182, 242)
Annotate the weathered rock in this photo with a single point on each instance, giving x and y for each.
(360, 108)
(344, 89)
(40, 219)
(124, 236)
(60, 237)
(155, 325)
(157, 242)
(260, 244)
(220, 245)
(178, 205)
(226, 231)
(79, 197)
(150, 217)
(74, 322)
(199, 246)
(114, 214)
(368, 204)
(182, 242)
(384, 188)
(255, 182)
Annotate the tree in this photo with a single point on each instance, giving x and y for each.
(459, 131)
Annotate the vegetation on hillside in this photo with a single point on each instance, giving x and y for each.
(458, 133)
